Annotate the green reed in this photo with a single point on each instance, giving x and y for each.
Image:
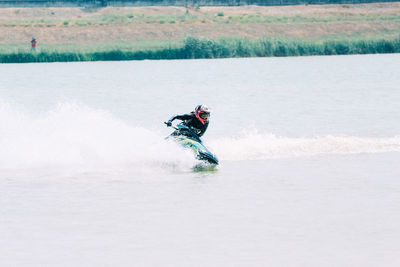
(273, 47)
(192, 48)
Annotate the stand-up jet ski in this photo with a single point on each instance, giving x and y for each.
(189, 139)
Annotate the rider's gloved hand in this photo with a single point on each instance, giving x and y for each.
(168, 123)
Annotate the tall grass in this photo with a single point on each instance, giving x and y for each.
(219, 17)
(192, 48)
(275, 47)
(110, 19)
(265, 19)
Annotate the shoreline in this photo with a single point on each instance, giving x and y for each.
(134, 33)
(194, 48)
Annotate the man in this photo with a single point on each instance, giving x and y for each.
(33, 43)
(197, 120)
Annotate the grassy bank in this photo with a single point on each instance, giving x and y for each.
(192, 48)
(182, 18)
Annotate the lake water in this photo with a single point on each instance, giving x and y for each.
(309, 175)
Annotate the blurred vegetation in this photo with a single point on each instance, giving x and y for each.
(192, 48)
(121, 19)
(219, 17)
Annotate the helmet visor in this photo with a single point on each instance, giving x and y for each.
(204, 115)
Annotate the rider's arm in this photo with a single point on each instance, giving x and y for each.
(180, 117)
(203, 130)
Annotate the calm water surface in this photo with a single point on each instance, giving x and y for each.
(309, 175)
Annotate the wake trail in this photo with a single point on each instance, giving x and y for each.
(75, 136)
(256, 146)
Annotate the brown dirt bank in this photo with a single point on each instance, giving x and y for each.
(75, 25)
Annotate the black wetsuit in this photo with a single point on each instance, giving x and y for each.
(192, 122)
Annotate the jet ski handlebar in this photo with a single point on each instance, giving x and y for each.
(183, 128)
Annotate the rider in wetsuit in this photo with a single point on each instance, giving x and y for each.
(197, 120)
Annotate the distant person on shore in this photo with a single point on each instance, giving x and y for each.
(33, 43)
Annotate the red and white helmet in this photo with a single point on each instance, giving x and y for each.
(202, 113)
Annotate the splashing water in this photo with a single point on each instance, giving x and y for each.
(258, 146)
(73, 135)
(77, 136)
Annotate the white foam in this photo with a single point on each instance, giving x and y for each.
(75, 136)
(256, 146)
(72, 135)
